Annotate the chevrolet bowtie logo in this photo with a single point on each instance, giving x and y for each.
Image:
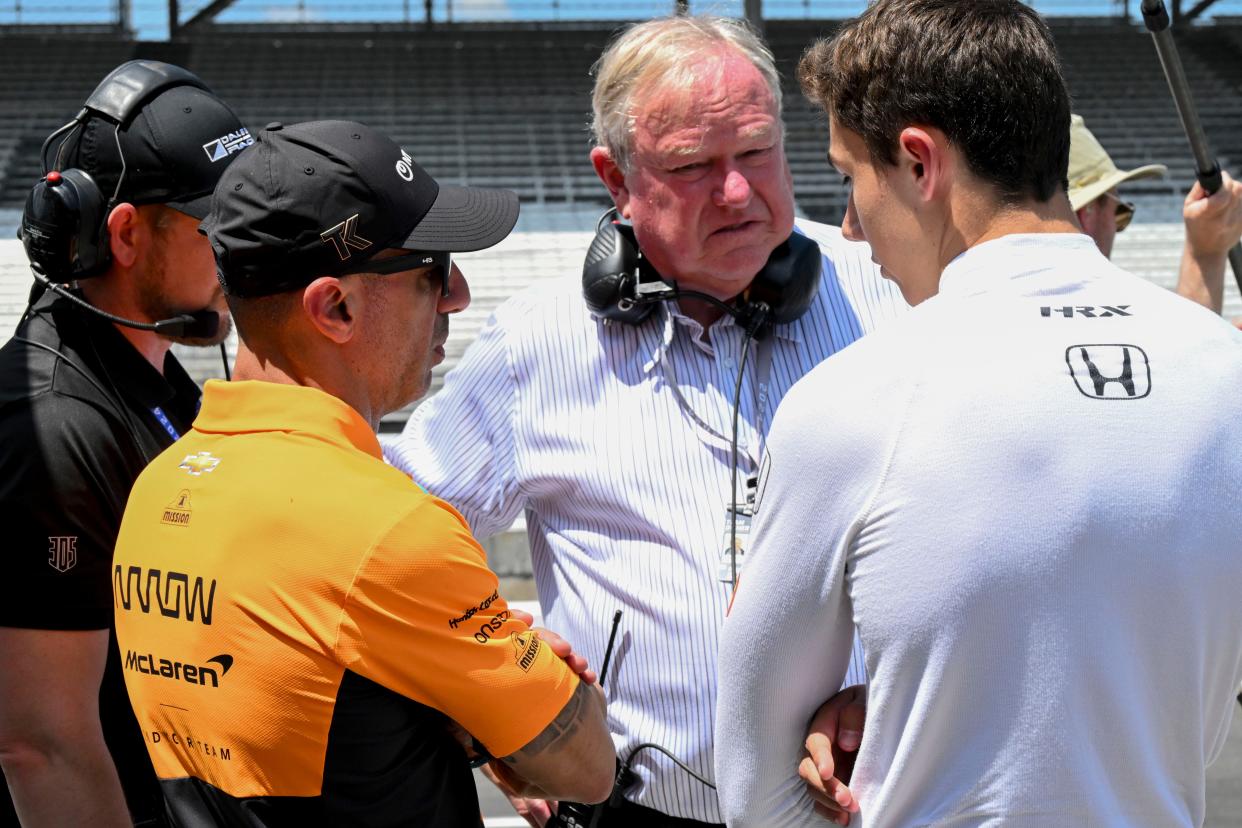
(199, 464)
(344, 236)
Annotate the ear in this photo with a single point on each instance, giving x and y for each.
(613, 178)
(922, 153)
(1086, 217)
(333, 306)
(127, 235)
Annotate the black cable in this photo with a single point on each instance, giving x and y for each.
(737, 408)
(118, 407)
(129, 421)
(678, 293)
(630, 761)
(173, 326)
(224, 360)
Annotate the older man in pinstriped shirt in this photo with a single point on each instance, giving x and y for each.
(614, 439)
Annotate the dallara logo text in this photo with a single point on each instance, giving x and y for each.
(226, 145)
(148, 664)
(176, 594)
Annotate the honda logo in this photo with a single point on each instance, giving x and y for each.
(1110, 372)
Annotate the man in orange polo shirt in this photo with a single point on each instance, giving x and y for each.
(305, 632)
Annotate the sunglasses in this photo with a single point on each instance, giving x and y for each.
(442, 261)
(1124, 211)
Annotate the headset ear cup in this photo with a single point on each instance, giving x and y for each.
(789, 280)
(608, 274)
(63, 227)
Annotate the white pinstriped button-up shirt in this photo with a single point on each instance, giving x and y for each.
(572, 420)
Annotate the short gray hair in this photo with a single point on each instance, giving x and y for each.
(659, 54)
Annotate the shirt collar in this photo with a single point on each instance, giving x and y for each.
(1016, 259)
(657, 335)
(250, 406)
(124, 365)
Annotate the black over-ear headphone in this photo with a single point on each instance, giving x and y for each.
(619, 283)
(64, 226)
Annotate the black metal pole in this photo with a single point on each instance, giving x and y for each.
(1207, 169)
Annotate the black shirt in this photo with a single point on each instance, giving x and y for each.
(81, 414)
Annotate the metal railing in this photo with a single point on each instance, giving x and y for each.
(149, 18)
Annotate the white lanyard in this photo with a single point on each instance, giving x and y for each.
(763, 372)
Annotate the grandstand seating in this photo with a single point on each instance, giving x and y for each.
(44, 78)
(510, 107)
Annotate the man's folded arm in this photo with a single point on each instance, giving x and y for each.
(571, 759)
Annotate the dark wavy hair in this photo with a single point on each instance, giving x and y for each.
(985, 72)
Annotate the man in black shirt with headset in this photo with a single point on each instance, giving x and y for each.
(89, 393)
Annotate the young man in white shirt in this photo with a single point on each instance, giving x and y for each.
(1019, 508)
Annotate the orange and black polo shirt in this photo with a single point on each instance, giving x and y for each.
(299, 622)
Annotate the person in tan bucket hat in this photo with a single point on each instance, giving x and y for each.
(1213, 223)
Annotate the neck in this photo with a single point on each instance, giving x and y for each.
(269, 365)
(702, 312)
(970, 225)
(153, 347)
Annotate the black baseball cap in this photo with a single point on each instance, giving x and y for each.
(174, 149)
(323, 197)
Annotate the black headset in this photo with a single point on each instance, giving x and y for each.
(65, 223)
(619, 283)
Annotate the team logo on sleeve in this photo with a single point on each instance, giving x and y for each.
(526, 649)
(177, 513)
(196, 465)
(62, 552)
(1110, 372)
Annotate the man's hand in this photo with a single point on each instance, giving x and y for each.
(536, 812)
(1213, 223)
(1213, 226)
(832, 743)
(526, 800)
(562, 648)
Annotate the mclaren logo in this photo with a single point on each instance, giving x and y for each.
(1110, 372)
(207, 675)
(226, 145)
(196, 465)
(62, 552)
(343, 236)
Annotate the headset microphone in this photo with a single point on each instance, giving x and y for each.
(201, 324)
